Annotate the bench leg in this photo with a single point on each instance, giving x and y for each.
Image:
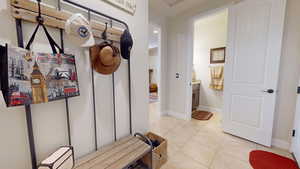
(151, 159)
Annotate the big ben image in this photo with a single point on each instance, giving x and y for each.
(38, 85)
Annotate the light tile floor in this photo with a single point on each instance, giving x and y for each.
(202, 144)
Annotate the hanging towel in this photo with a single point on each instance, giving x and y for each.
(217, 77)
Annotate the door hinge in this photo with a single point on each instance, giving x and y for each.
(294, 133)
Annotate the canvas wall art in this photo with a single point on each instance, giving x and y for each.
(126, 5)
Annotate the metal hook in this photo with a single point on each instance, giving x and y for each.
(104, 34)
(39, 18)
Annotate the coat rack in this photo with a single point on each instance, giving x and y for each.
(28, 11)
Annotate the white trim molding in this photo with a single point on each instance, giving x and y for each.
(209, 109)
(282, 144)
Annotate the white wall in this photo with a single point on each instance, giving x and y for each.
(209, 32)
(289, 76)
(49, 120)
(289, 69)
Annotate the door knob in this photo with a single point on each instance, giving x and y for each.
(269, 91)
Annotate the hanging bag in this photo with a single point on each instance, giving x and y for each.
(63, 158)
(29, 77)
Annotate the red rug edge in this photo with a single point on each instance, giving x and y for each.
(267, 160)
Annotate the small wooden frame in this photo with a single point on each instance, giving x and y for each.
(28, 10)
(217, 55)
(118, 155)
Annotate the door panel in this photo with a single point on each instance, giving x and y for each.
(253, 56)
(251, 44)
(249, 115)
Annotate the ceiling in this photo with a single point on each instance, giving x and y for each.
(174, 7)
(154, 34)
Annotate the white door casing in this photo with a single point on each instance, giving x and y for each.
(251, 68)
(295, 148)
(190, 54)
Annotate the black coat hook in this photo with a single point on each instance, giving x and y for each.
(104, 34)
(39, 18)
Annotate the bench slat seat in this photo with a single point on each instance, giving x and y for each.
(115, 156)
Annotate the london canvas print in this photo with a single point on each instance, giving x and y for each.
(39, 77)
(126, 5)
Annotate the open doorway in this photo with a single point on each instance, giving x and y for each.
(210, 39)
(253, 51)
(154, 72)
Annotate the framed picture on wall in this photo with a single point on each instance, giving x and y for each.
(125, 5)
(217, 55)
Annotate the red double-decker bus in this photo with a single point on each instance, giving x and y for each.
(18, 98)
(70, 90)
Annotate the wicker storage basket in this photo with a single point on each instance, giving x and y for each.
(159, 155)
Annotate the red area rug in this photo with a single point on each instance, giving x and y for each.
(201, 115)
(266, 160)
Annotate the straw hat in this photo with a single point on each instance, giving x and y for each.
(105, 58)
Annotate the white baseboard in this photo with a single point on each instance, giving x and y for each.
(210, 109)
(183, 116)
(164, 113)
(282, 144)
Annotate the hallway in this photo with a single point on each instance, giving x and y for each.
(203, 145)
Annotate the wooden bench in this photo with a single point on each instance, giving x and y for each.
(118, 155)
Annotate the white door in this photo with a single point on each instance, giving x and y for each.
(296, 139)
(251, 70)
